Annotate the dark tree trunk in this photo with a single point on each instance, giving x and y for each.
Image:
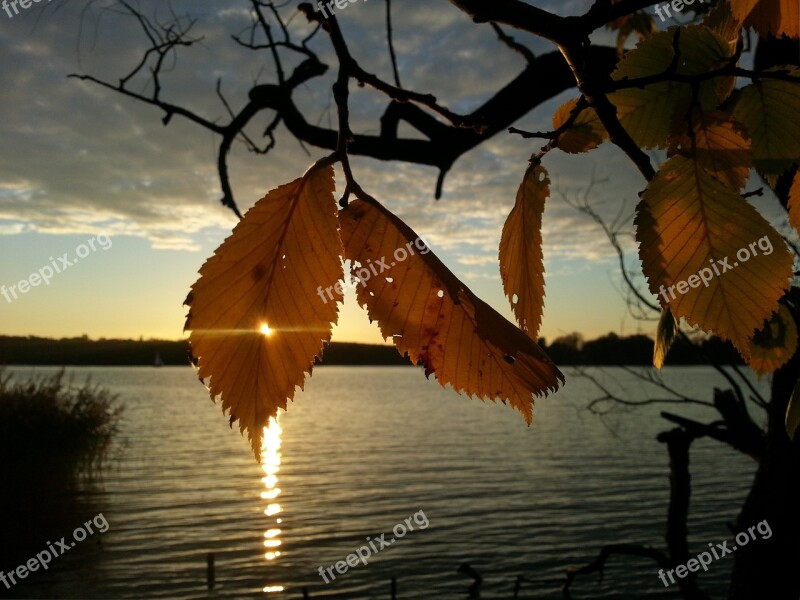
(768, 568)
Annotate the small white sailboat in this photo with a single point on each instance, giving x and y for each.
(158, 362)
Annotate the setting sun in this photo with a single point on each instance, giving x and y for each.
(265, 329)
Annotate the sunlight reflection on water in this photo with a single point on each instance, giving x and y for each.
(271, 462)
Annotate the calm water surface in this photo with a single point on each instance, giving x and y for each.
(363, 449)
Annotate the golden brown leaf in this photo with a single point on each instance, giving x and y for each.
(690, 228)
(665, 336)
(741, 9)
(719, 144)
(794, 203)
(646, 112)
(775, 343)
(434, 318)
(724, 23)
(641, 23)
(256, 318)
(586, 132)
(521, 266)
(769, 17)
(770, 110)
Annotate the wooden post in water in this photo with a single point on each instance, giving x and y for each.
(210, 579)
(305, 594)
(394, 588)
(517, 586)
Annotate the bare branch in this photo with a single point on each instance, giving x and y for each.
(390, 42)
(509, 41)
(606, 552)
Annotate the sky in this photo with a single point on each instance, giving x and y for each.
(95, 179)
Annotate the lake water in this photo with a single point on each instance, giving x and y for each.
(360, 451)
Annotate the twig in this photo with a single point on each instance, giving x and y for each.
(391, 43)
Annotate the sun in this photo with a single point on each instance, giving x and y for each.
(265, 329)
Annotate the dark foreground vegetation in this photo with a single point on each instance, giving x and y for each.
(53, 430)
(55, 438)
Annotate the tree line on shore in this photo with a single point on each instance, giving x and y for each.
(572, 349)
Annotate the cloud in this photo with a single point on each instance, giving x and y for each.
(78, 157)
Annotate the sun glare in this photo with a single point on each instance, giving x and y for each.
(265, 329)
(270, 463)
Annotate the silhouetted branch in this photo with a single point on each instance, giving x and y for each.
(678, 442)
(509, 41)
(612, 398)
(390, 42)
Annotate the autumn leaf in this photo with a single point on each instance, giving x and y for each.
(794, 203)
(646, 112)
(770, 109)
(434, 318)
(586, 132)
(690, 227)
(793, 412)
(641, 23)
(719, 144)
(521, 266)
(665, 336)
(721, 21)
(775, 343)
(742, 8)
(256, 319)
(769, 17)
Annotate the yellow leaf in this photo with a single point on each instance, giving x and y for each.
(435, 318)
(769, 17)
(256, 317)
(770, 109)
(647, 112)
(794, 202)
(690, 228)
(775, 343)
(586, 132)
(521, 266)
(718, 144)
(793, 412)
(665, 336)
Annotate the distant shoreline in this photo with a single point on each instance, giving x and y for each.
(635, 350)
(80, 352)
